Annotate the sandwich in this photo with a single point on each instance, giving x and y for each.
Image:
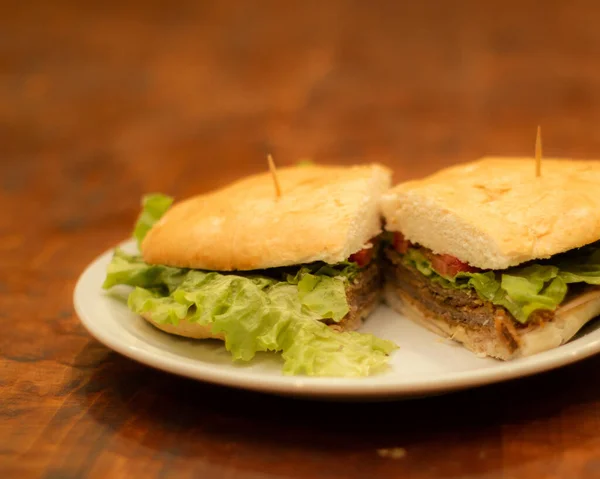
(495, 257)
(291, 267)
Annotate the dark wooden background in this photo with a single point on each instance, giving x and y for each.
(103, 101)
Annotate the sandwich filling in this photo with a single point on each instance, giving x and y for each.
(502, 302)
(305, 312)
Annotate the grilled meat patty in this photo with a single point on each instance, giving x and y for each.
(456, 306)
(363, 294)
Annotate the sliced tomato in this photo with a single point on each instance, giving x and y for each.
(363, 257)
(401, 244)
(450, 266)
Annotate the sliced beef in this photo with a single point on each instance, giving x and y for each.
(454, 305)
(365, 289)
(363, 293)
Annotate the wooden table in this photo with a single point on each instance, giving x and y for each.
(101, 103)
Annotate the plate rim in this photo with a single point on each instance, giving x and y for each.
(371, 386)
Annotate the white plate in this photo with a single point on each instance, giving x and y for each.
(424, 364)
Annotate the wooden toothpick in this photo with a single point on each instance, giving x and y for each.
(538, 153)
(274, 175)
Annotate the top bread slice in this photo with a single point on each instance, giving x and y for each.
(324, 213)
(495, 213)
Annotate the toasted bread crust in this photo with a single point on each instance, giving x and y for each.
(495, 213)
(325, 213)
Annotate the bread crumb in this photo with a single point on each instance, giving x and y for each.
(392, 452)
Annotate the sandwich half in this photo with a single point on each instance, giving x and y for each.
(294, 273)
(488, 254)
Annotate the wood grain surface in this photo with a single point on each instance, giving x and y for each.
(101, 102)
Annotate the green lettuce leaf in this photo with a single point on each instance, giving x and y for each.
(529, 289)
(486, 284)
(322, 294)
(131, 270)
(153, 207)
(257, 313)
(525, 289)
(418, 260)
(586, 271)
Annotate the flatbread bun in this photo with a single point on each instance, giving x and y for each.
(325, 213)
(568, 320)
(185, 328)
(495, 213)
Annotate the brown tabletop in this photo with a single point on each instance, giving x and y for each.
(102, 103)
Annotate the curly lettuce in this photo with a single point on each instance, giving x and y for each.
(153, 207)
(256, 313)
